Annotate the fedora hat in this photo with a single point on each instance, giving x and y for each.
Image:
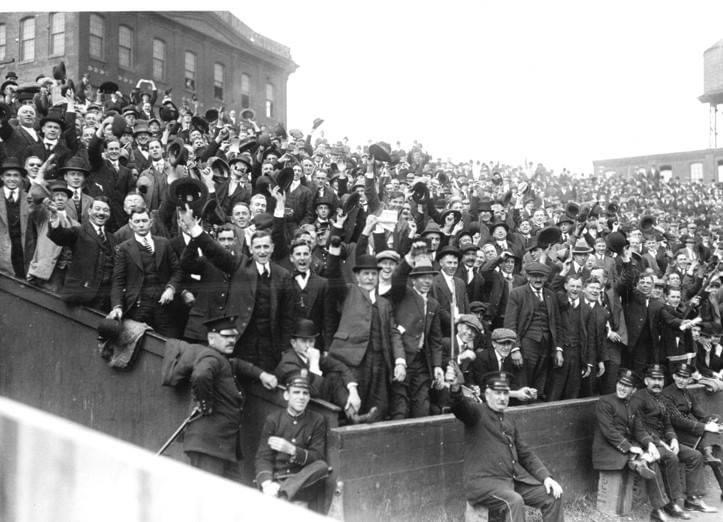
(581, 247)
(54, 117)
(76, 164)
(647, 222)
(59, 185)
(423, 267)
(189, 191)
(12, 163)
(457, 216)
(200, 124)
(248, 145)
(448, 250)
(305, 328)
(431, 228)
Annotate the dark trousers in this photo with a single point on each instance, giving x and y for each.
(371, 374)
(333, 389)
(564, 382)
(210, 464)
(689, 460)
(257, 349)
(306, 484)
(612, 365)
(513, 502)
(148, 310)
(411, 397)
(655, 487)
(537, 362)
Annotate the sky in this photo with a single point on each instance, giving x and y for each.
(557, 82)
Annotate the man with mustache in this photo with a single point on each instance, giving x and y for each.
(660, 440)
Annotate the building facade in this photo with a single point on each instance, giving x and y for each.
(212, 55)
(702, 166)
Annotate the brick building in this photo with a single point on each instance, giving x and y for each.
(211, 54)
(703, 166)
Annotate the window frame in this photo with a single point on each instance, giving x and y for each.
(163, 60)
(269, 100)
(245, 93)
(52, 51)
(3, 41)
(192, 87)
(22, 58)
(131, 57)
(100, 37)
(216, 65)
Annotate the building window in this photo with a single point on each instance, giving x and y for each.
(666, 173)
(218, 75)
(696, 172)
(27, 39)
(269, 100)
(57, 34)
(190, 68)
(245, 91)
(125, 46)
(3, 41)
(97, 35)
(159, 59)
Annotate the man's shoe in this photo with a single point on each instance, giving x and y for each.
(676, 511)
(658, 515)
(640, 467)
(697, 504)
(708, 456)
(370, 416)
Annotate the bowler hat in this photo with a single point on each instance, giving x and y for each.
(448, 250)
(189, 191)
(243, 157)
(381, 151)
(305, 329)
(655, 371)
(168, 110)
(200, 124)
(616, 242)
(285, 178)
(109, 329)
(220, 323)
(485, 206)
(457, 216)
(366, 262)
(549, 236)
(12, 163)
(249, 144)
(54, 117)
(211, 115)
(626, 377)
(108, 87)
(262, 221)
(502, 335)
(6, 83)
(422, 267)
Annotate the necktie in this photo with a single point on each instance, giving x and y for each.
(147, 245)
(265, 273)
(13, 196)
(538, 294)
(76, 196)
(101, 234)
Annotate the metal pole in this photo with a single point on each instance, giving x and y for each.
(192, 417)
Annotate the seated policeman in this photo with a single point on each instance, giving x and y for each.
(500, 471)
(290, 459)
(329, 378)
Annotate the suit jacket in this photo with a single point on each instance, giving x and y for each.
(129, 276)
(637, 314)
(650, 410)
(242, 293)
(686, 414)
(608, 263)
(104, 180)
(301, 202)
(520, 308)
(413, 323)
(475, 287)
(588, 325)
(227, 201)
(292, 363)
(90, 266)
(27, 238)
(614, 433)
(486, 362)
(16, 140)
(314, 303)
(441, 292)
(86, 202)
(673, 340)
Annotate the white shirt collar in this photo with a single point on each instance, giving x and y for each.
(8, 192)
(260, 268)
(142, 239)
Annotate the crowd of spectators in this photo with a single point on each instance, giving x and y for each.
(403, 262)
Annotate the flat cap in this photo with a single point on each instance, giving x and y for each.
(536, 268)
(502, 335)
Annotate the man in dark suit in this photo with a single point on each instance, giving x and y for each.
(309, 293)
(641, 315)
(88, 279)
(16, 139)
(59, 137)
(146, 276)
(450, 291)
(500, 279)
(416, 314)
(75, 173)
(109, 177)
(257, 296)
(236, 188)
(534, 315)
(614, 444)
(496, 359)
(601, 259)
(16, 243)
(469, 274)
(501, 472)
(300, 201)
(580, 252)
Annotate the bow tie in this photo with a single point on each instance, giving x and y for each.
(144, 148)
(299, 273)
(49, 143)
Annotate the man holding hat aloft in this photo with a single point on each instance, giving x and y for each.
(501, 472)
(534, 315)
(657, 436)
(615, 442)
(290, 459)
(694, 426)
(418, 361)
(212, 441)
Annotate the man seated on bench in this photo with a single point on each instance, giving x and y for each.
(614, 446)
(500, 471)
(694, 426)
(290, 459)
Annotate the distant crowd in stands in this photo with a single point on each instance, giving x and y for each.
(402, 262)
